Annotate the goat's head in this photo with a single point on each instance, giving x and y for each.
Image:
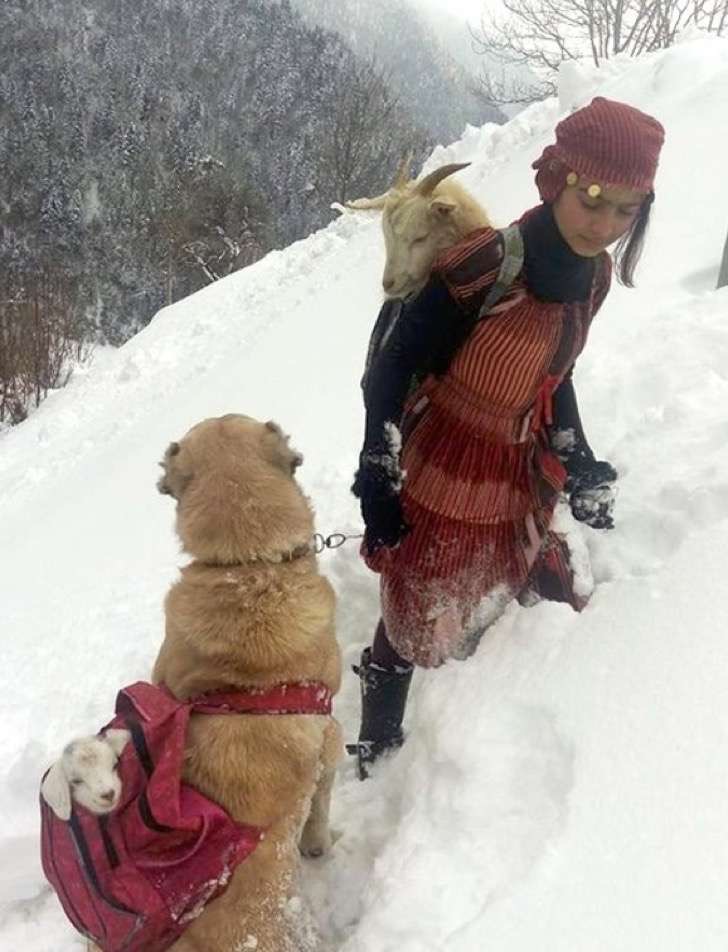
(86, 773)
(418, 221)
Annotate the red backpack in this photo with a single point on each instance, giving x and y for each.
(134, 879)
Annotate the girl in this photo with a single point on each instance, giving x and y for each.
(458, 481)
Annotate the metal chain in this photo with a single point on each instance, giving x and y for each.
(333, 541)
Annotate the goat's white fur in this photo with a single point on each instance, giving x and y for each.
(420, 219)
(86, 772)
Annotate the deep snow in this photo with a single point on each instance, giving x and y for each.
(564, 789)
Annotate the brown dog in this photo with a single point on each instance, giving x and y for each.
(251, 610)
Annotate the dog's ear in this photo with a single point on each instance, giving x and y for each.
(176, 476)
(278, 450)
(56, 791)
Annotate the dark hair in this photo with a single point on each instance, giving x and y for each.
(629, 247)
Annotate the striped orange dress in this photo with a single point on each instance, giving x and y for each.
(481, 481)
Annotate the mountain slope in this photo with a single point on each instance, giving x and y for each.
(434, 88)
(564, 788)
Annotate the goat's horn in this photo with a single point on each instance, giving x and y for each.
(403, 172)
(426, 186)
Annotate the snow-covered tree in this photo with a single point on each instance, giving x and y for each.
(107, 108)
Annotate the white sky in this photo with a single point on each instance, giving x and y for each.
(467, 9)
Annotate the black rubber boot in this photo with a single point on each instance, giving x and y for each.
(383, 700)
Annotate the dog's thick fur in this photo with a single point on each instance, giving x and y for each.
(251, 610)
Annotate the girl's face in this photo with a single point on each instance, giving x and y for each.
(589, 225)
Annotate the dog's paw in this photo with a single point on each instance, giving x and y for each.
(315, 841)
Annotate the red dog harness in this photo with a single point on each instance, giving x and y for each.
(133, 879)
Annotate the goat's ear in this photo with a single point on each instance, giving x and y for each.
(442, 208)
(368, 204)
(56, 791)
(117, 739)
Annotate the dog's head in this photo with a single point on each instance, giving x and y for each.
(237, 498)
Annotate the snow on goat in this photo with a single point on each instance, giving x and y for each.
(420, 219)
(87, 773)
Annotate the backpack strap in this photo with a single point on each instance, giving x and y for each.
(146, 702)
(509, 270)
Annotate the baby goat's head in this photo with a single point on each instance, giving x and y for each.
(86, 773)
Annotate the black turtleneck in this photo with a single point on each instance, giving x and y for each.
(551, 270)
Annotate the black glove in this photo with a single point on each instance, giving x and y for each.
(591, 492)
(377, 484)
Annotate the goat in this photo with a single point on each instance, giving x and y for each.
(420, 219)
(86, 772)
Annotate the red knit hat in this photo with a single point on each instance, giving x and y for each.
(607, 142)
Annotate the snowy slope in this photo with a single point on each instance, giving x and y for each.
(565, 788)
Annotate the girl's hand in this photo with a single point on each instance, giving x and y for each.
(591, 494)
(377, 485)
(384, 522)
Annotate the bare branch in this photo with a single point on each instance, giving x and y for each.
(543, 34)
(42, 333)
